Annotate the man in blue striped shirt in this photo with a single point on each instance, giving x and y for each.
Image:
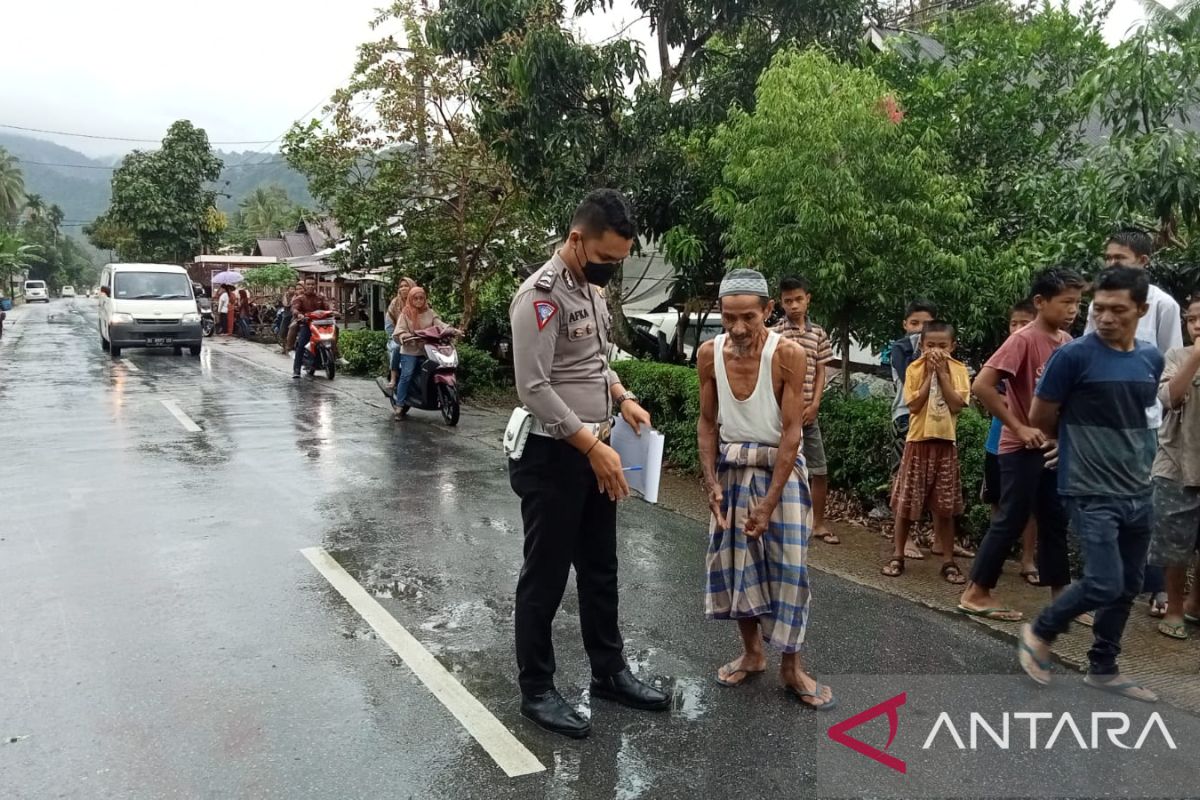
(1099, 397)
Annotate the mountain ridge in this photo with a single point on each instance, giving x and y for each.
(81, 185)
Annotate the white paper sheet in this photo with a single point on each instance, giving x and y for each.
(645, 451)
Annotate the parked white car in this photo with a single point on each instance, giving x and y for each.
(36, 292)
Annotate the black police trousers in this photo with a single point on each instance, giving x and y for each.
(568, 521)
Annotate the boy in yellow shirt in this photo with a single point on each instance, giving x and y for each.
(936, 389)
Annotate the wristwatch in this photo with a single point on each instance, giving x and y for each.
(627, 396)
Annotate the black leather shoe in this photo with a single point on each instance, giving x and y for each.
(551, 712)
(627, 690)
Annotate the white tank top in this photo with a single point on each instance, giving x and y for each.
(757, 419)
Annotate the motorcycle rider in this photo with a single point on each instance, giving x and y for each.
(303, 305)
(415, 316)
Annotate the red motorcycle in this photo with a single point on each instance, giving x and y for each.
(320, 352)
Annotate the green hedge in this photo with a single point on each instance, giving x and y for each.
(672, 396)
(857, 435)
(366, 353)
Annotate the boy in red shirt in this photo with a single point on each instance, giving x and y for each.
(1027, 485)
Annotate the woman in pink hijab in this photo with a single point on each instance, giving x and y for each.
(416, 316)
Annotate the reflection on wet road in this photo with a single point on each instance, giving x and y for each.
(161, 634)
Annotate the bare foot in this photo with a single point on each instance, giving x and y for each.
(805, 687)
(828, 537)
(912, 552)
(736, 672)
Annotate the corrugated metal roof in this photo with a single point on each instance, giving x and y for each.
(299, 244)
(275, 248)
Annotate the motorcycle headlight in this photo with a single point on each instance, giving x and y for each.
(190, 318)
(119, 317)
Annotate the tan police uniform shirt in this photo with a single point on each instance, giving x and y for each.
(561, 327)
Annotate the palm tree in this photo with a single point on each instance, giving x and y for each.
(36, 207)
(267, 211)
(16, 257)
(12, 186)
(1180, 22)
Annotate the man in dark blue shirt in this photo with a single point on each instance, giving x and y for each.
(1098, 397)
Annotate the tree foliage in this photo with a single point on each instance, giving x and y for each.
(161, 202)
(824, 178)
(12, 188)
(272, 276)
(413, 184)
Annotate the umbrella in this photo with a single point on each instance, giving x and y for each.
(229, 277)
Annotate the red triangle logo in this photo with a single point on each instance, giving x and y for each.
(838, 733)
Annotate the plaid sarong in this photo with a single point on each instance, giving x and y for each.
(765, 577)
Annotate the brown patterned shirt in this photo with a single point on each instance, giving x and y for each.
(816, 345)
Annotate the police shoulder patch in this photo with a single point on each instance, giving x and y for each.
(546, 280)
(544, 310)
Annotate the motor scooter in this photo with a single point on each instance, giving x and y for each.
(319, 353)
(208, 323)
(434, 386)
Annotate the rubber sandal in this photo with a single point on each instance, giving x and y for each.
(897, 570)
(1191, 619)
(998, 614)
(1173, 630)
(951, 570)
(828, 705)
(1121, 688)
(747, 673)
(1032, 577)
(1035, 668)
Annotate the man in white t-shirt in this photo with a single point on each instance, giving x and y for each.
(1161, 327)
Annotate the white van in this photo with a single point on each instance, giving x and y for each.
(36, 291)
(148, 305)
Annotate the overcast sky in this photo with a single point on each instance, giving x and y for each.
(241, 69)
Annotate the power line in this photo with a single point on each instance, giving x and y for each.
(98, 166)
(119, 138)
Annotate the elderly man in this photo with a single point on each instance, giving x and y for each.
(750, 432)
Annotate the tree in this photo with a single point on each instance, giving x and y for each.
(413, 185)
(1004, 102)
(16, 257)
(562, 114)
(274, 276)
(160, 200)
(824, 174)
(12, 187)
(267, 211)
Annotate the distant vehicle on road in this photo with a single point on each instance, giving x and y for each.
(148, 305)
(67, 291)
(35, 291)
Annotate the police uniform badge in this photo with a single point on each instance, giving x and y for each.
(544, 310)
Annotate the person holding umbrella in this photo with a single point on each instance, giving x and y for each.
(227, 303)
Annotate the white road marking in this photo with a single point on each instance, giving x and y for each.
(130, 364)
(183, 418)
(504, 748)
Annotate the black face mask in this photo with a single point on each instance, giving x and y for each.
(598, 273)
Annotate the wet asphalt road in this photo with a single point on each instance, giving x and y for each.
(162, 636)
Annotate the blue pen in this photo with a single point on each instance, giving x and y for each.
(632, 469)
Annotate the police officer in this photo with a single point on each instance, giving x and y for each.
(568, 478)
